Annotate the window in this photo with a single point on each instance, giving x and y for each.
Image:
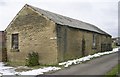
(94, 40)
(15, 41)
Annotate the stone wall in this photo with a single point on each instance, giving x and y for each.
(36, 34)
(1, 44)
(70, 43)
(106, 43)
(53, 42)
(3, 53)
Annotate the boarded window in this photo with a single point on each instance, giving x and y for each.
(15, 41)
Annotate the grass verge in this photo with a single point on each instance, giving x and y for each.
(113, 72)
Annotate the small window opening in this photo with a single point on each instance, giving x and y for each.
(15, 41)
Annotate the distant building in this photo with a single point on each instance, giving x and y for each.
(116, 41)
(55, 37)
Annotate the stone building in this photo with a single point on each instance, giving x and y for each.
(116, 41)
(56, 38)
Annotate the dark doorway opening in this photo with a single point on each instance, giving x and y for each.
(83, 47)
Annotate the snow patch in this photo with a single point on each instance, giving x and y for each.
(86, 58)
(39, 71)
(6, 70)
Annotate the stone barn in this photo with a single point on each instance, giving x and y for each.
(56, 38)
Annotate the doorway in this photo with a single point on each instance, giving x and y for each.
(83, 47)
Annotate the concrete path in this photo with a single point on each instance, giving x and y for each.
(98, 66)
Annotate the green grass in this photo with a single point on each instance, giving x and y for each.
(14, 64)
(113, 72)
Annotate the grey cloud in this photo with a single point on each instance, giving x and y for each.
(2, 3)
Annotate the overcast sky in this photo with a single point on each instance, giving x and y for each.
(102, 13)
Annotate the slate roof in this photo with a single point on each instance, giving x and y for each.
(63, 20)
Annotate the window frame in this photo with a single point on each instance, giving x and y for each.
(15, 41)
